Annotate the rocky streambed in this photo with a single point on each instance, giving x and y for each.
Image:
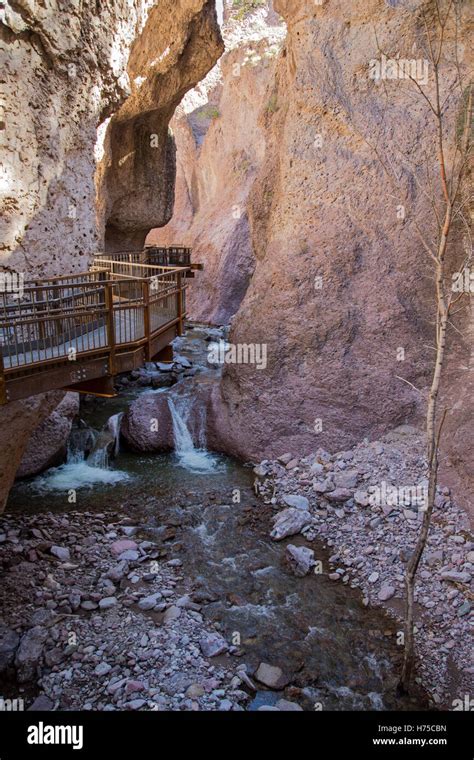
(366, 504)
(183, 580)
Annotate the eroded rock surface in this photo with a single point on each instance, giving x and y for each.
(19, 421)
(341, 288)
(220, 148)
(47, 446)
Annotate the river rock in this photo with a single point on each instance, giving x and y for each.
(339, 494)
(131, 555)
(464, 609)
(9, 641)
(284, 705)
(147, 425)
(386, 592)
(61, 552)
(29, 653)
(271, 676)
(456, 577)
(300, 559)
(289, 522)
(123, 545)
(194, 691)
(296, 501)
(346, 479)
(171, 614)
(108, 602)
(148, 602)
(362, 498)
(213, 645)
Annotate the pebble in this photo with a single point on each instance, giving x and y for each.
(213, 645)
(386, 592)
(123, 545)
(148, 602)
(298, 502)
(61, 552)
(108, 602)
(285, 706)
(456, 577)
(171, 614)
(271, 676)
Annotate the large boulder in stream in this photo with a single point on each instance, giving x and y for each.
(147, 425)
(47, 446)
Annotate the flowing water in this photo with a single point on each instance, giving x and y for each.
(200, 506)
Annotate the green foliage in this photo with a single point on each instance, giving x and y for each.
(209, 112)
(243, 7)
(272, 105)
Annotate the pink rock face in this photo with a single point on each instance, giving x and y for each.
(124, 545)
(47, 446)
(219, 150)
(19, 421)
(341, 282)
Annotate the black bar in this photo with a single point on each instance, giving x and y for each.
(318, 734)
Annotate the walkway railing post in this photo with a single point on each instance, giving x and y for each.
(3, 389)
(146, 318)
(180, 305)
(109, 305)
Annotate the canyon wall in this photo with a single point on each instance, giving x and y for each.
(88, 91)
(220, 148)
(341, 296)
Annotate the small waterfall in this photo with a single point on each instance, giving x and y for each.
(183, 443)
(100, 456)
(88, 455)
(197, 460)
(81, 442)
(113, 426)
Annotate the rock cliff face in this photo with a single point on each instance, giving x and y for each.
(91, 86)
(47, 447)
(281, 194)
(173, 52)
(19, 421)
(89, 90)
(220, 148)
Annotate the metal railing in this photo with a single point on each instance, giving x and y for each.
(170, 256)
(116, 306)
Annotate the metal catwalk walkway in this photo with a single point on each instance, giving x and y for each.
(77, 331)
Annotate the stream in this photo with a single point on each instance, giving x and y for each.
(337, 652)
